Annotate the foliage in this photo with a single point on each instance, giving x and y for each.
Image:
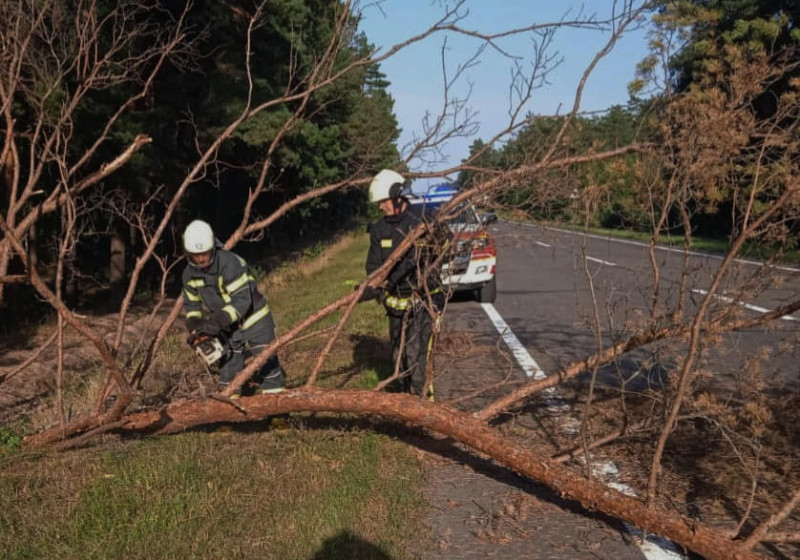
(200, 87)
(324, 142)
(710, 29)
(9, 441)
(736, 70)
(609, 187)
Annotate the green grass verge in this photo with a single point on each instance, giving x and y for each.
(286, 494)
(322, 493)
(361, 356)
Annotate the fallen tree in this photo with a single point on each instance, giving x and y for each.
(594, 495)
(676, 158)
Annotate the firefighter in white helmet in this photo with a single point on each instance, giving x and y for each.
(221, 299)
(413, 294)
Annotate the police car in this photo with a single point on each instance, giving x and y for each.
(472, 264)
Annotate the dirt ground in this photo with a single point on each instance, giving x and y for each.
(28, 364)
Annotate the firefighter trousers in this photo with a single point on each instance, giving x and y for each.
(415, 351)
(254, 339)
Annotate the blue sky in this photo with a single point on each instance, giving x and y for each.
(416, 77)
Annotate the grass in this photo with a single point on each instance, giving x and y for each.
(361, 356)
(317, 491)
(10, 441)
(221, 495)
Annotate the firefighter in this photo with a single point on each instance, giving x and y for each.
(412, 295)
(221, 299)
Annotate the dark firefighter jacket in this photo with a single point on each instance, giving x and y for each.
(419, 261)
(226, 289)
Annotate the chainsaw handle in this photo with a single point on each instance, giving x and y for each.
(196, 338)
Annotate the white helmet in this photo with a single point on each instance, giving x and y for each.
(198, 237)
(386, 184)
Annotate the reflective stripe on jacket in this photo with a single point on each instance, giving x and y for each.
(226, 286)
(403, 280)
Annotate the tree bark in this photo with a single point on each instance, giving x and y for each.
(116, 267)
(116, 270)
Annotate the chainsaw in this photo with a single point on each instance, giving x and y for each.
(209, 348)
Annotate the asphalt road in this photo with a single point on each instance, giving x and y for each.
(545, 296)
(554, 289)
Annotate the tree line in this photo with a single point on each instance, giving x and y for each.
(75, 97)
(704, 60)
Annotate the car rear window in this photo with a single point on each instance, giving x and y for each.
(463, 215)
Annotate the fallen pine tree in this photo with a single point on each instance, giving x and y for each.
(592, 494)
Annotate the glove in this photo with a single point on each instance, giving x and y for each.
(195, 337)
(369, 293)
(193, 324)
(215, 323)
(209, 327)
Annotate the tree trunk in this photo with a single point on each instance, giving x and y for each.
(33, 253)
(465, 428)
(116, 267)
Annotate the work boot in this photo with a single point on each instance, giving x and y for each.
(273, 382)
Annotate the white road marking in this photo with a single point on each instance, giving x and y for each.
(659, 247)
(554, 403)
(653, 547)
(600, 261)
(749, 306)
(524, 359)
(542, 244)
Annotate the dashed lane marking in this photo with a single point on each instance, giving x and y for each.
(749, 306)
(607, 263)
(669, 249)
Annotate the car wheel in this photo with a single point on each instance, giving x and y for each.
(488, 293)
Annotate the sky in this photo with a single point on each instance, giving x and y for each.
(416, 73)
